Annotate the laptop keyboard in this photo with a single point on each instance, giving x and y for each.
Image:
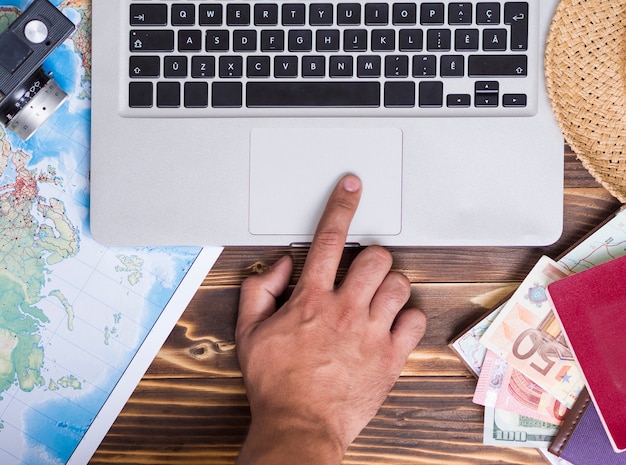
(192, 58)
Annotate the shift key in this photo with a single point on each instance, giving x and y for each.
(497, 65)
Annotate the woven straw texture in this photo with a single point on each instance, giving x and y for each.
(585, 68)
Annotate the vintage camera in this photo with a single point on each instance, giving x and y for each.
(29, 95)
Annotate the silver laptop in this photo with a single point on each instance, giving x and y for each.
(229, 122)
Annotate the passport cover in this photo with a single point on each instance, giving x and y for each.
(582, 440)
(591, 306)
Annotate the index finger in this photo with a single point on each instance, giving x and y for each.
(320, 267)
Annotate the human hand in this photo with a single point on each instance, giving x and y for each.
(319, 368)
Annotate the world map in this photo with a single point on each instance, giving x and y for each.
(73, 313)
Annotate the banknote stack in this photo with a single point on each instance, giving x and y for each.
(527, 375)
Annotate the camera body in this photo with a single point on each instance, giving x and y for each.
(28, 95)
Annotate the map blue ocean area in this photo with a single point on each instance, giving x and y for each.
(79, 322)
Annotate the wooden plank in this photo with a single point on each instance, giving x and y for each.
(202, 343)
(425, 420)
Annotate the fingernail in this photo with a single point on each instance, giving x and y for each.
(351, 183)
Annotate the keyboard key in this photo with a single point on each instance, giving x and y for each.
(460, 13)
(293, 14)
(368, 66)
(432, 13)
(411, 40)
(266, 14)
(272, 40)
(140, 95)
(466, 39)
(313, 66)
(196, 95)
(383, 40)
(430, 94)
(142, 14)
(285, 66)
(258, 66)
(486, 93)
(376, 14)
(355, 40)
(321, 14)
(203, 66)
(244, 40)
(238, 14)
(340, 66)
(168, 94)
(497, 65)
(300, 40)
(439, 40)
(327, 40)
(144, 66)
(514, 100)
(152, 41)
(396, 66)
(452, 66)
(189, 40)
(400, 94)
(404, 13)
(210, 14)
(424, 66)
(486, 100)
(183, 14)
(516, 14)
(313, 94)
(175, 66)
(217, 40)
(488, 13)
(458, 100)
(494, 40)
(230, 66)
(349, 14)
(226, 95)
(487, 86)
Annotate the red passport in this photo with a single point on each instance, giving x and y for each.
(591, 306)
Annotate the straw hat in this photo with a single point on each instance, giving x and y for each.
(585, 68)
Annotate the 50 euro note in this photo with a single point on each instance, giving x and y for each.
(506, 388)
(527, 335)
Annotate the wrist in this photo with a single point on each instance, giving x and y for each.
(278, 442)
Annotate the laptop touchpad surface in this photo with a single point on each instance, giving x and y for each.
(293, 170)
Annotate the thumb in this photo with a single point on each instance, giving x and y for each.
(257, 301)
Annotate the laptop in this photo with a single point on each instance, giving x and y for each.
(229, 122)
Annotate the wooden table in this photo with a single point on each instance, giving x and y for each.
(191, 407)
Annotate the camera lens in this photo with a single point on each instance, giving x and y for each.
(31, 104)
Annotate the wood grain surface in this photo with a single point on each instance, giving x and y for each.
(191, 406)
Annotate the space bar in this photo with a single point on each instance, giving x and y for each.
(312, 94)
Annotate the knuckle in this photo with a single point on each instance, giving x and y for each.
(381, 254)
(330, 237)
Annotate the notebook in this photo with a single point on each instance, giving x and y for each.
(229, 123)
(582, 439)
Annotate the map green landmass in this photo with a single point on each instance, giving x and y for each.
(35, 233)
(133, 265)
(31, 242)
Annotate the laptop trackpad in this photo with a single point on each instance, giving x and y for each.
(293, 170)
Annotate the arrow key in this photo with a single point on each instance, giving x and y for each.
(514, 100)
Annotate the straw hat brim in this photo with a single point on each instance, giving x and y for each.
(585, 67)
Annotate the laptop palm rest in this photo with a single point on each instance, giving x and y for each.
(293, 170)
